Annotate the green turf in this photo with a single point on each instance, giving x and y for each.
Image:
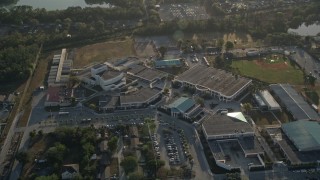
(289, 75)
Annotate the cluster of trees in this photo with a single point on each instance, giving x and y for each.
(131, 9)
(7, 2)
(83, 139)
(28, 15)
(16, 63)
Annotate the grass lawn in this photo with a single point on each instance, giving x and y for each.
(101, 52)
(278, 71)
(283, 117)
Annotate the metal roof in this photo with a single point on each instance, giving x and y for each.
(269, 100)
(293, 102)
(305, 135)
(182, 104)
(217, 80)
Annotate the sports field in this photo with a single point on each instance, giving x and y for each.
(270, 70)
(102, 52)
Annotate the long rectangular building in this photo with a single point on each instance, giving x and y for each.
(216, 82)
(293, 102)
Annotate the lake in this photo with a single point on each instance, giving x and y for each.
(303, 30)
(58, 4)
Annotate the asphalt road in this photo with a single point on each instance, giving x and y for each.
(306, 61)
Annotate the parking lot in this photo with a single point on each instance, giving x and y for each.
(84, 116)
(190, 11)
(172, 143)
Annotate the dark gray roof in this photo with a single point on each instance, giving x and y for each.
(140, 96)
(220, 124)
(293, 102)
(146, 73)
(215, 79)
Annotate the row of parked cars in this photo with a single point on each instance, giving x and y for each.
(155, 145)
(172, 149)
(185, 146)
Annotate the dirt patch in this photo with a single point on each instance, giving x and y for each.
(277, 65)
(102, 52)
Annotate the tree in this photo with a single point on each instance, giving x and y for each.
(40, 133)
(100, 26)
(136, 176)
(219, 62)
(56, 153)
(129, 164)
(247, 107)
(165, 90)
(162, 51)
(32, 134)
(112, 144)
(229, 45)
(92, 106)
(51, 177)
(233, 176)
(200, 101)
(22, 157)
(310, 79)
(220, 43)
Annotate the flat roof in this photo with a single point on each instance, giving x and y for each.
(146, 73)
(168, 62)
(108, 102)
(214, 79)
(293, 102)
(183, 104)
(269, 100)
(305, 135)
(62, 58)
(259, 100)
(53, 94)
(219, 124)
(97, 66)
(139, 96)
(110, 74)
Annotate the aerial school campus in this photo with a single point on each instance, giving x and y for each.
(188, 105)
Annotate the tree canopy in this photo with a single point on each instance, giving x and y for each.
(129, 164)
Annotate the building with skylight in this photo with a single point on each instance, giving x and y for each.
(226, 126)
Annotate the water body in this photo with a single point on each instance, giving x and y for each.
(57, 4)
(303, 30)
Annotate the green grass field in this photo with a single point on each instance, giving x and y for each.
(279, 71)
